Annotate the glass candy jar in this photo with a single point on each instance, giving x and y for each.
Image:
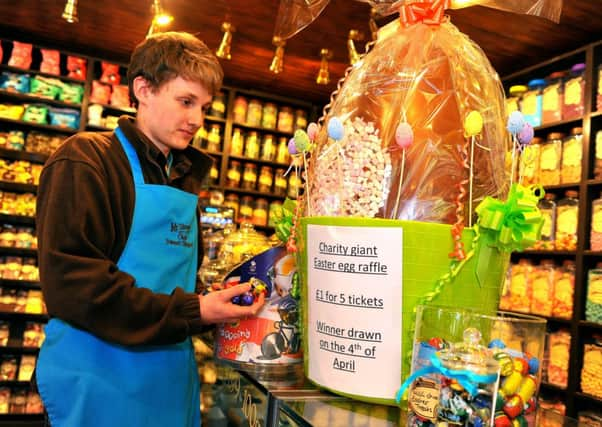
(547, 207)
(549, 160)
(566, 222)
(572, 152)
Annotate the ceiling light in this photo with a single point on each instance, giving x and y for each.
(324, 75)
(223, 51)
(70, 12)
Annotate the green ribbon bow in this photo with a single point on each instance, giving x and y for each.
(284, 220)
(515, 224)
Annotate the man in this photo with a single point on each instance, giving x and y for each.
(118, 252)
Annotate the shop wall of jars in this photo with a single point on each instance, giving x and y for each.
(560, 277)
(247, 133)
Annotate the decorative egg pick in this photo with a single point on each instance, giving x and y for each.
(522, 134)
(312, 131)
(335, 128)
(404, 137)
(473, 126)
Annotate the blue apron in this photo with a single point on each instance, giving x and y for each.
(85, 381)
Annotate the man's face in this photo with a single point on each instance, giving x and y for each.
(170, 115)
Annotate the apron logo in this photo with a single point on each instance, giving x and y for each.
(178, 235)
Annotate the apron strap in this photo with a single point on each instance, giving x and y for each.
(132, 156)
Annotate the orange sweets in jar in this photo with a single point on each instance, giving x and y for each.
(233, 174)
(598, 156)
(252, 145)
(519, 292)
(566, 222)
(542, 288)
(552, 98)
(595, 234)
(574, 91)
(572, 153)
(249, 176)
(549, 160)
(591, 373)
(558, 361)
(562, 303)
(547, 207)
(237, 143)
(528, 165)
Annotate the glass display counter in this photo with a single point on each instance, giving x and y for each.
(331, 411)
(256, 399)
(232, 397)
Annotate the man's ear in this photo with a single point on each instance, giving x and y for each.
(142, 89)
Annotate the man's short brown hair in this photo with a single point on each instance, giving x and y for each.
(165, 56)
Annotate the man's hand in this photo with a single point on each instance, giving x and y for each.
(217, 307)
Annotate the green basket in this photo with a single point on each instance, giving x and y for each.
(427, 278)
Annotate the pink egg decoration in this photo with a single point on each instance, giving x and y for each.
(312, 130)
(404, 135)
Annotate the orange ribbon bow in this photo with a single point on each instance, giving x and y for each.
(429, 12)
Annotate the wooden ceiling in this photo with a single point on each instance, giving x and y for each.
(111, 28)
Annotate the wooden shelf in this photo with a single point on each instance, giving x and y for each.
(570, 186)
(262, 130)
(23, 284)
(215, 119)
(18, 251)
(589, 397)
(18, 187)
(18, 219)
(40, 73)
(251, 193)
(560, 123)
(38, 126)
(552, 387)
(23, 155)
(259, 161)
(590, 325)
(19, 350)
(23, 317)
(97, 128)
(547, 253)
(115, 109)
(33, 99)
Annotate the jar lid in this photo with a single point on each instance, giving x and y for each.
(577, 131)
(266, 169)
(557, 75)
(536, 83)
(517, 89)
(572, 193)
(234, 163)
(550, 196)
(578, 68)
(246, 199)
(536, 140)
(232, 197)
(555, 135)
